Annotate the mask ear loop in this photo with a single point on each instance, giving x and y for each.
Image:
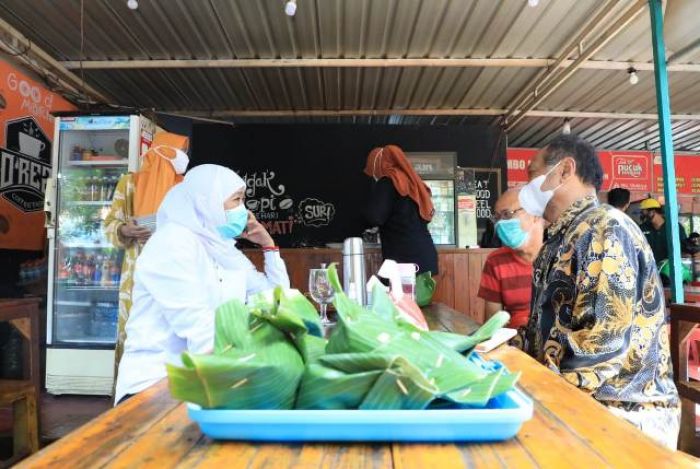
(550, 172)
(374, 164)
(158, 152)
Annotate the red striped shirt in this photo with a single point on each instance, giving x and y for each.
(507, 279)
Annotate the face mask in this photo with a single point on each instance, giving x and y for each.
(533, 199)
(180, 161)
(511, 233)
(236, 221)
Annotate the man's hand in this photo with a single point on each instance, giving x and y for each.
(131, 231)
(256, 233)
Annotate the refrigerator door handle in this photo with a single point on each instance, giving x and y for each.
(50, 205)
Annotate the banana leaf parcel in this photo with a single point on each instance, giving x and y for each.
(271, 354)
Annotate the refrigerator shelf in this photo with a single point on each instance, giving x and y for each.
(124, 162)
(97, 203)
(68, 287)
(86, 245)
(87, 341)
(74, 303)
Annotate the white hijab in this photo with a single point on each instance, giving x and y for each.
(197, 203)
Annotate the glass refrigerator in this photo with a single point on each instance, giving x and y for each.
(437, 169)
(90, 154)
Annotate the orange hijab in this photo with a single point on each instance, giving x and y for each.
(157, 176)
(391, 162)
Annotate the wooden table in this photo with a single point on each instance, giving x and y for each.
(569, 429)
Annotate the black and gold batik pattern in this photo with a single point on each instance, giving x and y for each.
(598, 315)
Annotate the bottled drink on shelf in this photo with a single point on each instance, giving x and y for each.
(64, 269)
(78, 262)
(104, 188)
(88, 267)
(85, 188)
(114, 270)
(105, 281)
(97, 273)
(94, 188)
(113, 181)
(76, 153)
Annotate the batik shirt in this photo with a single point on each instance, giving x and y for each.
(121, 211)
(598, 314)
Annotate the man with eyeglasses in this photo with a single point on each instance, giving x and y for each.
(506, 279)
(598, 315)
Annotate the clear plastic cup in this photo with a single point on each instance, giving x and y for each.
(408, 279)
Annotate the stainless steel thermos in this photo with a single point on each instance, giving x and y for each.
(354, 278)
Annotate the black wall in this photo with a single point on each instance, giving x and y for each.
(320, 167)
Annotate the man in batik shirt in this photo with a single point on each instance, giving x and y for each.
(598, 316)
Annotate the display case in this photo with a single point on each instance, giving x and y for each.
(91, 153)
(438, 172)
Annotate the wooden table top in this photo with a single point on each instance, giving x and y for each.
(568, 429)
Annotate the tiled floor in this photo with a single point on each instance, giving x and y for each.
(59, 416)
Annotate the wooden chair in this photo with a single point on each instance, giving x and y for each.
(23, 394)
(684, 320)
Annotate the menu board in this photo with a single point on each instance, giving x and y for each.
(687, 174)
(487, 187)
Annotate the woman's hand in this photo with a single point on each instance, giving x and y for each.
(132, 231)
(256, 233)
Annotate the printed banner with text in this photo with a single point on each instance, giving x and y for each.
(26, 131)
(638, 171)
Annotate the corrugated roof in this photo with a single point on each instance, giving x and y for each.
(246, 29)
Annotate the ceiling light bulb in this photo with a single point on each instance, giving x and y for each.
(533, 3)
(566, 128)
(290, 8)
(132, 4)
(634, 78)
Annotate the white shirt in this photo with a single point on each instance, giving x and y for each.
(177, 288)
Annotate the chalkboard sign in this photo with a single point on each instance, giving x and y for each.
(306, 183)
(487, 184)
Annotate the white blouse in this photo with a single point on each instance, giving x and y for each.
(177, 288)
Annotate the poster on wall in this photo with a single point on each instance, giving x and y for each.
(26, 129)
(466, 208)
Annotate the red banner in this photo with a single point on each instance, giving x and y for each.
(687, 174)
(518, 160)
(632, 170)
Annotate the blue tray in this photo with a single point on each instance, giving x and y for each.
(500, 420)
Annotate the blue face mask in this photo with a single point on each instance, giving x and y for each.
(511, 233)
(236, 221)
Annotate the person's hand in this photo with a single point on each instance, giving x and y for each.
(132, 231)
(256, 233)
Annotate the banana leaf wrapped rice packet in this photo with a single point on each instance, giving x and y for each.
(271, 354)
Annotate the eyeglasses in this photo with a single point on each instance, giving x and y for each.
(505, 215)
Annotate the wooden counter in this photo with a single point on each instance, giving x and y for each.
(568, 429)
(457, 282)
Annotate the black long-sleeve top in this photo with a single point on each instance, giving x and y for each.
(404, 234)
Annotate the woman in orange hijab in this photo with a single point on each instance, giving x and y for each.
(401, 206)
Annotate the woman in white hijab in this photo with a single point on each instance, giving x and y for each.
(187, 269)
